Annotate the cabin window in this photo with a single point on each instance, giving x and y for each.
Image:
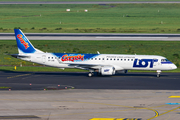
(91, 58)
(117, 59)
(128, 59)
(99, 58)
(124, 59)
(114, 59)
(107, 58)
(48, 57)
(110, 59)
(95, 58)
(52, 57)
(131, 59)
(103, 59)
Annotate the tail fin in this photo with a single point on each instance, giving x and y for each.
(24, 45)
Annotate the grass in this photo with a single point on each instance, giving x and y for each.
(71, 0)
(107, 18)
(168, 49)
(4, 87)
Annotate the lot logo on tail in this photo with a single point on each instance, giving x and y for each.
(72, 58)
(19, 36)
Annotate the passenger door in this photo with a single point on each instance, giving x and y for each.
(44, 58)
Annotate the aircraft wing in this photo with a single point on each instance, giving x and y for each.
(87, 66)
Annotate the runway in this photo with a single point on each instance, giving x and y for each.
(64, 80)
(94, 36)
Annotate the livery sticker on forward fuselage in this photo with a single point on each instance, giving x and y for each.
(70, 57)
(143, 63)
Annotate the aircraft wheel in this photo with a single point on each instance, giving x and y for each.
(158, 75)
(90, 74)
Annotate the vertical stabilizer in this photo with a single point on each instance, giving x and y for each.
(24, 45)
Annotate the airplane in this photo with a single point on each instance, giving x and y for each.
(103, 64)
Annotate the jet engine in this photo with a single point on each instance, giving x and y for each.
(107, 71)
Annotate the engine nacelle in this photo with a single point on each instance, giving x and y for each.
(107, 71)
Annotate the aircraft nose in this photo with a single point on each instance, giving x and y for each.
(174, 66)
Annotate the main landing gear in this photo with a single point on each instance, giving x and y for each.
(90, 74)
(158, 73)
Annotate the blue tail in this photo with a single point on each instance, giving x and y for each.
(24, 45)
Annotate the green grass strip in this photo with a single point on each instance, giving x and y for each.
(4, 87)
(100, 18)
(168, 49)
(76, 0)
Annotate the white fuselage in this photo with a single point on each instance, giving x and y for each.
(95, 61)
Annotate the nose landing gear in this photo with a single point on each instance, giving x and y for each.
(158, 73)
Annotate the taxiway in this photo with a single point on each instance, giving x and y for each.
(129, 81)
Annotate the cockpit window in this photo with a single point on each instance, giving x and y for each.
(164, 60)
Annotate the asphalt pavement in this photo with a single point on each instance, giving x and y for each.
(65, 80)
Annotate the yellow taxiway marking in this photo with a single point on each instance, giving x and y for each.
(18, 76)
(159, 106)
(156, 112)
(115, 119)
(164, 113)
(174, 97)
(102, 119)
(129, 109)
